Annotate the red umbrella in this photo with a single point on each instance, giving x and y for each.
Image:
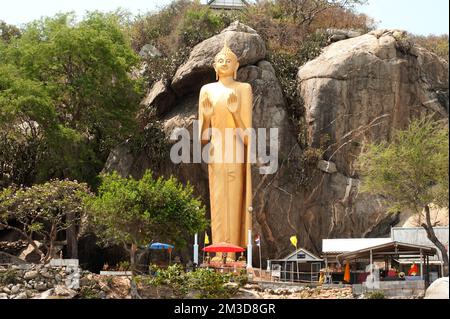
(223, 248)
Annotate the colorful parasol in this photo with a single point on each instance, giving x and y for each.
(223, 248)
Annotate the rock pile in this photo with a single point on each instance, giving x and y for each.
(19, 283)
(50, 282)
(303, 292)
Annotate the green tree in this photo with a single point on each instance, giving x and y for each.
(411, 172)
(84, 70)
(27, 119)
(43, 211)
(8, 31)
(305, 11)
(133, 212)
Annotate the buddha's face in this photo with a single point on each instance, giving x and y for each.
(225, 65)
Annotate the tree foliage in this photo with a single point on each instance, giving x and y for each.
(72, 80)
(435, 44)
(134, 212)
(41, 211)
(411, 172)
(8, 32)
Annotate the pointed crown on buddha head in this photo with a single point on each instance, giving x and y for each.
(226, 51)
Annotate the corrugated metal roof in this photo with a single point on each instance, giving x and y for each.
(352, 244)
(227, 4)
(418, 236)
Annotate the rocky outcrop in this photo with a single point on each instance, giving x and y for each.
(198, 70)
(160, 98)
(367, 87)
(335, 35)
(359, 89)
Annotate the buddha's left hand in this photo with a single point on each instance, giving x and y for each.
(233, 103)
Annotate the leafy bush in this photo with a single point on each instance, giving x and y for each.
(379, 294)
(198, 24)
(210, 283)
(241, 278)
(88, 293)
(206, 283)
(8, 276)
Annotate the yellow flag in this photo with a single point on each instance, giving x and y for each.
(206, 239)
(294, 241)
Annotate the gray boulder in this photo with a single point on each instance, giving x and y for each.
(160, 98)
(438, 289)
(198, 70)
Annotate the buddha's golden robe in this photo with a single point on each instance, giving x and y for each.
(230, 185)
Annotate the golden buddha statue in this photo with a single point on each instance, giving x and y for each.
(226, 106)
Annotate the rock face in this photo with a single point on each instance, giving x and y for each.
(160, 97)
(379, 75)
(198, 70)
(349, 86)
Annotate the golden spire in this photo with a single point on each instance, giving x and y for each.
(226, 51)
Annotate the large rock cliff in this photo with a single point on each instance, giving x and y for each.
(358, 90)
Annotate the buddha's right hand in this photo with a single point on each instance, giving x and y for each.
(207, 107)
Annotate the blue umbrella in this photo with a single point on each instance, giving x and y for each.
(160, 246)
(163, 246)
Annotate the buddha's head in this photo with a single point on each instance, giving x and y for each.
(226, 63)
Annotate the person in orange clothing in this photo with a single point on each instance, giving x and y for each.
(413, 271)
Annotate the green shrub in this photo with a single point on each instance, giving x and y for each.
(241, 278)
(8, 277)
(207, 283)
(198, 24)
(88, 293)
(210, 283)
(376, 295)
(124, 266)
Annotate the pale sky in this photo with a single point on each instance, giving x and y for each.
(415, 16)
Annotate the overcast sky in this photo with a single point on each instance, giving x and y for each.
(415, 16)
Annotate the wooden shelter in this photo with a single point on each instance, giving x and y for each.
(299, 266)
(389, 253)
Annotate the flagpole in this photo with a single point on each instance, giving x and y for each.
(204, 245)
(260, 260)
(196, 250)
(296, 258)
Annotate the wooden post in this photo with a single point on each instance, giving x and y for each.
(72, 236)
(421, 264)
(260, 260)
(285, 270)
